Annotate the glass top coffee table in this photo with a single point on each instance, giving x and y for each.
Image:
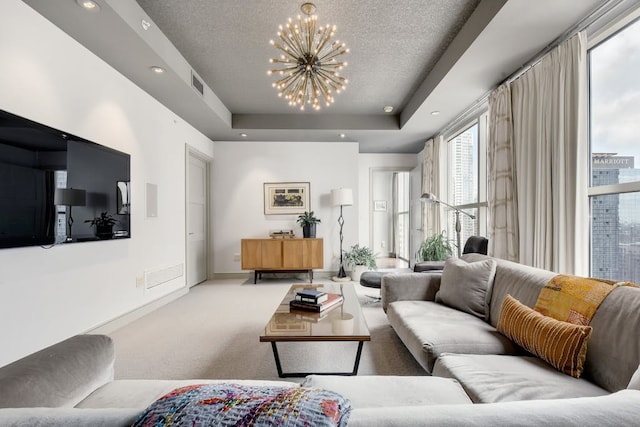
(343, 322)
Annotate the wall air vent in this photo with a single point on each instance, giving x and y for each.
(153, 278)
(197, 84)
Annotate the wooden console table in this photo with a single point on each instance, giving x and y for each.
(282, 255)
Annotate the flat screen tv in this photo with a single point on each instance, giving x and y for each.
(53, 184)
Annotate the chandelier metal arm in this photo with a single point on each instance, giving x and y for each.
(293, 49)
(332, 54)
(320, 87)
(288, 82)
(335, 81)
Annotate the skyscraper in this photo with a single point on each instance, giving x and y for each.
(615, 247)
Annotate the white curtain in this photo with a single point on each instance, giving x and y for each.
(431, 184)
(502, 198)
(551, 153)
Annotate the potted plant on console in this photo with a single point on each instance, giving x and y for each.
(104, 225)
(360, 259)
(308, 223)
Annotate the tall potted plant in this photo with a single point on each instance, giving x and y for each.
(360, 259)
(435, 248)
(308, 223)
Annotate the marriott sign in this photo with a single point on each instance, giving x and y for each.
(611, 161)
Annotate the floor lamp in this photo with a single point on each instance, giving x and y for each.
(69, 197)
(431, 198)
(341, 197)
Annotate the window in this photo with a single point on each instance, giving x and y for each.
(467, 180)
(402, 214)
(614, 193)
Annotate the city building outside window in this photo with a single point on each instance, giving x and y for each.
(467, 180)
(614, 192)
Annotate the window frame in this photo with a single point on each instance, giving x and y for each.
(480, 205)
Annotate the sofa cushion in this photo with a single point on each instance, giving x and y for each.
(141, 393)
(499, 378)
(428, 329)
(60, 375)
(385, 391)
(228, 404)
(563, 345)
(467, 286)
(520, 281)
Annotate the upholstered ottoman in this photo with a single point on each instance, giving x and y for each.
(372, 279)
(428, 266)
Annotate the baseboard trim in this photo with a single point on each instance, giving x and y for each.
(318, 274)
(123, 320)
(230, 276)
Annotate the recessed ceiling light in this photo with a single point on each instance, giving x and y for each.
(244, 135)
(89, 5)
(342, 135)
(157, 70)
(435, 113)
(388, 109)
(145, 24)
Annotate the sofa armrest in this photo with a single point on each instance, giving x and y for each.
(65, 417)
(60, 375)
(409, 287)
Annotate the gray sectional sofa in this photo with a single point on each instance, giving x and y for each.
(480, 378)
(71, 384)
(453, 343)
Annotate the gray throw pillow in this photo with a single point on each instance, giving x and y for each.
(467, 286)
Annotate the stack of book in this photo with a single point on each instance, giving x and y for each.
(314, 300)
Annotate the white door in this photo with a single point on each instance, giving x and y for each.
(197, 200)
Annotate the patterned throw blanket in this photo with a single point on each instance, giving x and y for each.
(227, 404)
(574, 299)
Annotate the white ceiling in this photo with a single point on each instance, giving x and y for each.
(416, 55)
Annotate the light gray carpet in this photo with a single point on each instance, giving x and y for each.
(212, 332)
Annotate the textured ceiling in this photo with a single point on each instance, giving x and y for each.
(394, 45)
(417, 55)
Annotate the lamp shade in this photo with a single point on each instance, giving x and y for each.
(69, 197)
(429, 197)
(342, 197)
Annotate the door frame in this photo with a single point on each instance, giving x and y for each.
(373, 170)
(193, 152)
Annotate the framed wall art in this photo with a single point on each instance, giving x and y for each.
(380, 205)
(286, 198)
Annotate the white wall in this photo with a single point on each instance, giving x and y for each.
(242, 167)
(367, 163)
(48, 295)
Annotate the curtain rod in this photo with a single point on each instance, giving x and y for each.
(600, 11)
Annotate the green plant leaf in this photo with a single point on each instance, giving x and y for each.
(360, 255)
(435, 248)
(307, 218)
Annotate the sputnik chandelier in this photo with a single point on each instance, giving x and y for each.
(308, 62)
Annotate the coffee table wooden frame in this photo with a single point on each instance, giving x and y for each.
(350, 300)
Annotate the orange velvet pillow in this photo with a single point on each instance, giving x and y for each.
(563, 345)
